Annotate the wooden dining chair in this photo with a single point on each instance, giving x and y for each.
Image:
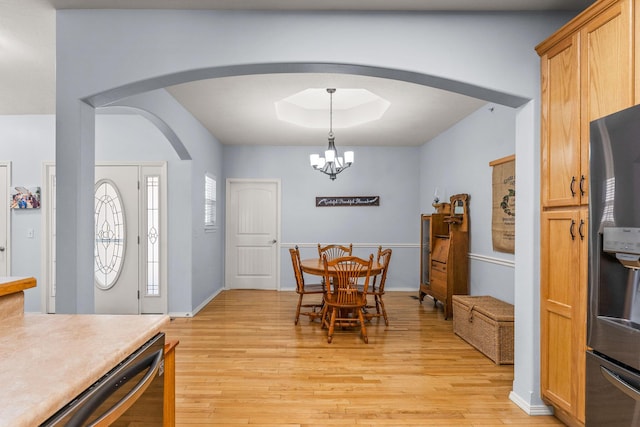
(377, 287)
(303, 289)
(334, 251)
(344, 301)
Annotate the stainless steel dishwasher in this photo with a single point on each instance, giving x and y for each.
(130, 394)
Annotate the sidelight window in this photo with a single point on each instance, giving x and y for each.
(153, 236)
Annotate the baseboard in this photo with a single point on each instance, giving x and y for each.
(197, 309)
(174, 314)
(534, 410)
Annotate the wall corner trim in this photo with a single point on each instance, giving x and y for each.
(527, 407)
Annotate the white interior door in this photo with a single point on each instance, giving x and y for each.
(252, 233)
(4, 219)
(116, 240)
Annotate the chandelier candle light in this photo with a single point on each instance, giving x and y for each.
(331, 164)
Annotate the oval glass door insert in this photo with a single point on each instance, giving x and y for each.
(109, 234)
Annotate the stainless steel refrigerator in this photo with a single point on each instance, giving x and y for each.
(613, 324)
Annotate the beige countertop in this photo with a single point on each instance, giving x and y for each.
(48, 359)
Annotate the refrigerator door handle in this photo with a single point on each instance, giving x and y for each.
(620, 383)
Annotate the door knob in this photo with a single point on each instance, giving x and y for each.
(274, 241)
(1, 248)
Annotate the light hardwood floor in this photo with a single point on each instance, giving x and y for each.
(242, 361)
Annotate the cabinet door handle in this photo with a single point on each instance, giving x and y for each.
(582, 179)
(573, 182)
(571, 231)
(580, 229)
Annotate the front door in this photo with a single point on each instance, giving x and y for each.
(252, 231)
(116, 240)
(130, 250)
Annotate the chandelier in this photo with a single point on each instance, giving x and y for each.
(331, 164)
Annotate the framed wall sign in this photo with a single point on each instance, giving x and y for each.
(347, 201)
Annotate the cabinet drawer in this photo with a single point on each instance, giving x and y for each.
(439, 289)
(438, 267)
(438, 276)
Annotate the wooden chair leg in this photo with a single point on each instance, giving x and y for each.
(384, 312)
(332, 324)
(363, 328)
(298, 309)
(323, 317)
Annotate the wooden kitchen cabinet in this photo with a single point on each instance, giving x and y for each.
(563, 302)
(587, 72)
(560, 118)
(445, 265)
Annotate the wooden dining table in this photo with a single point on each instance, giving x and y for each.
(315, 266)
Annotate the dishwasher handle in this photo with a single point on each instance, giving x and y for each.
(153, 362)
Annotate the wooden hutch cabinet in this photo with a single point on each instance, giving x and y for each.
(587, 72)
(444, 252)
(431, 225)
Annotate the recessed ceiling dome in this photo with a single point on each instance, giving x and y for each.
(351, 107)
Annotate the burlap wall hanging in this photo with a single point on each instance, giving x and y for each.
(503, 223)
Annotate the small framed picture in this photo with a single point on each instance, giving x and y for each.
(25, 198)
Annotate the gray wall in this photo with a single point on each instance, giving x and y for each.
(388, 172)
(201, 253)
(27, 141)
(458, 161)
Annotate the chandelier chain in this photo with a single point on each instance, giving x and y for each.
(331, 92)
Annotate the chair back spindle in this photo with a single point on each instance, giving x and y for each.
(297, 269)
(383, 258)
(352, 274)
(334, 251)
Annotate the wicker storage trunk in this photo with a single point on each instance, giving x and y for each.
(487, 324)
